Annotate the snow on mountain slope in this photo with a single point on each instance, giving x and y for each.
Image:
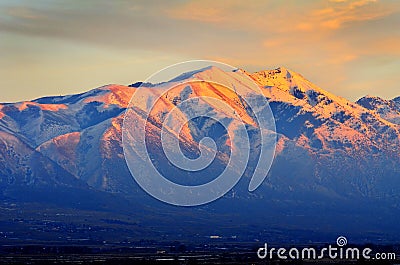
(79, 152)
(397, 102)
(1, 113)
(326, 141)
(321, 116)
(50, 107)
(387, 109)
(43, 119)
(112, 95)
(336, 162)
(37, 123)
(105, 148)
(62, 149)
(21, 165)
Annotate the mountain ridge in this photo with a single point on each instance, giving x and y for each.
(281, 86)
(330, 152)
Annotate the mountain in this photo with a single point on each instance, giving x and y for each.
(336, 166)
(387, 109)
(347, 145)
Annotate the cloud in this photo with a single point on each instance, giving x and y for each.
(23, 13)
(336, 16)
(199, 11)
(303, 35)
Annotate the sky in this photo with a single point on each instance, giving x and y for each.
(348, 47)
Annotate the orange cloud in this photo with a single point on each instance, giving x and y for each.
(388, 45)
(341, 59)
(262, 16)
(321, 39)
(23, 13)
(199, 11)
(336, 16)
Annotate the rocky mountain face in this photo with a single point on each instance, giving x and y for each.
(387, 109)
(349, 149)
(329, 150)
